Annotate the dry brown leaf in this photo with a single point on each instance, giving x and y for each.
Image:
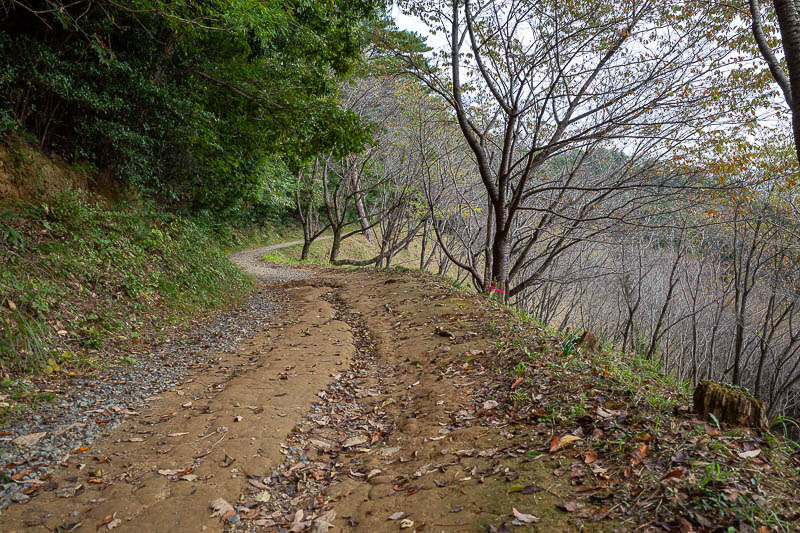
(30, 439)
(639, 454)
(524, 517)
(750, 454)
(220, 507)
(354, 441)
(560, 443)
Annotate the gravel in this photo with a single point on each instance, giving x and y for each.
(70, 421)
(250, 260)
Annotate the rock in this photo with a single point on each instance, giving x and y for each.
(19, 497)
(729, 405)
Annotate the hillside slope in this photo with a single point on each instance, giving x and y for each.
(87, 279)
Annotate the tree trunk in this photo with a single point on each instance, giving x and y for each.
(352, 172)
(789, 23)
(424, 242)
(499, 277)
(337, 243)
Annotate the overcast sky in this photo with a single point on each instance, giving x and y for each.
(408, 22)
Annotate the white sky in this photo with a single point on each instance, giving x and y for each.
(412, 23)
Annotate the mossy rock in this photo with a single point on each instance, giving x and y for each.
(729, 405)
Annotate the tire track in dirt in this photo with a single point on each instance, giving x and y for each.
(160, 470)
(408, 432)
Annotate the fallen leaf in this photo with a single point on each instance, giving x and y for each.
(749, 454)
(568, 507)
(530, 489)
(68, 492)
(517, 383)
(181, 434)
(30, 439)
(639, 454)
(323, 523)
(673, 474)
(405, 524)
(559, 443)
(590, 458)
(354, 441)
(189, 477)
(397, 516)
(220, 507)
(322, 444)
(114, 523)
(387, 452)
(524, 517)
(263, 497)
(488, 405)
(22, 473)
(106, 520)
(168, 472)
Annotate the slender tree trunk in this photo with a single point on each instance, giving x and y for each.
(355, 182)
(336, 244)
(500, 247)
(424, 242)
(487, 267)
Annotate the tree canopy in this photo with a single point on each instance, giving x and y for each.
(195, 101)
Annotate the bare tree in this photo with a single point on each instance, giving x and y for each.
(529, 81)
(788, 79)
(307, 203)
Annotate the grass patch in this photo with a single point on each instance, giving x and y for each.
(78, 275)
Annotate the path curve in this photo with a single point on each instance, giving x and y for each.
(251, 262)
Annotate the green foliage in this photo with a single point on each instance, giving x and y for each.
(91, 273)
(206, 102)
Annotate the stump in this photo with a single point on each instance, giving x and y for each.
(589, 341)
(729, 405)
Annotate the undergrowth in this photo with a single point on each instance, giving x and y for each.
(77, 276)
(622, 404)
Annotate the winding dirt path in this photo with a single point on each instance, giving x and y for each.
(366, 400)
(251, 261)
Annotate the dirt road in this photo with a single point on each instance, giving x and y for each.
(365, 407)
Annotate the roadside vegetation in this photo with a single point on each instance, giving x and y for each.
(81, 281)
